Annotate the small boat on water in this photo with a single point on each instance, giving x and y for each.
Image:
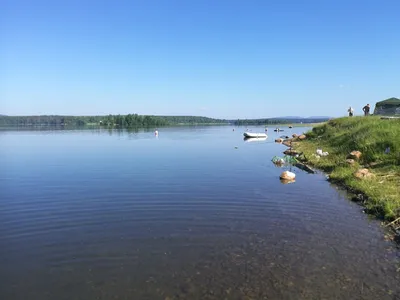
(255, 134)
(278, 129)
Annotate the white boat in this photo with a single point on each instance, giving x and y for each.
(255, 134)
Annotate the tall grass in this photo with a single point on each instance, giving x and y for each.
(370, 135)
(379, 142)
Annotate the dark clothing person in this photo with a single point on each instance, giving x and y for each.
(366, 110)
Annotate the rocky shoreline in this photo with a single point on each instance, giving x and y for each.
(294, 149)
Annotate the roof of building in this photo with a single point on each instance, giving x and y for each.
(390, 101)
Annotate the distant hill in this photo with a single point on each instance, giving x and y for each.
(286, 118)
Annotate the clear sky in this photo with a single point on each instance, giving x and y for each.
(217, 58)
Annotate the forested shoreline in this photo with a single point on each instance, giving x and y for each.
(272, 121)
(135, 120)
(130, 120)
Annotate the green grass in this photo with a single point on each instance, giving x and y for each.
(372, 136)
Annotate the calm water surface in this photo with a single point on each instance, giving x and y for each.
(108, 214)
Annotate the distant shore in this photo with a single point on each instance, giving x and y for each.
(135, 120)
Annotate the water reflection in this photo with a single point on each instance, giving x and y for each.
(250, 140)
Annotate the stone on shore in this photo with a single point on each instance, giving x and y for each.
(302, 137)
(355, 155)
(363, 174)
(287, 143)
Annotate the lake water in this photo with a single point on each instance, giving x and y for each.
(108, 214)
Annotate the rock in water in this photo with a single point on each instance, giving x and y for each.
(290, 152)
(287, 175)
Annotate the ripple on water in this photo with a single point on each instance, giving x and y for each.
(197, 220)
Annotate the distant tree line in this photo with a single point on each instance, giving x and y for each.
(273, 121)
(130, 120)
(193, 120)
(135, 120)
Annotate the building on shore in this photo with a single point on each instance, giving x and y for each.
(388, 107)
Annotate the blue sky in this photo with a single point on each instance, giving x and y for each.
(225, 59)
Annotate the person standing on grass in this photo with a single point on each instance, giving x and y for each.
(366, 110)
(350, 111)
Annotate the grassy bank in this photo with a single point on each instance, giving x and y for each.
(371, 136)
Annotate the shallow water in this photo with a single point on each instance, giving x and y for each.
(117, 214)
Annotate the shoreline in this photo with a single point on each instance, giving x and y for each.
(373, 178)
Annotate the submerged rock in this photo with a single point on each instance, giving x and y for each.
(304, 167)
(279, 140)
(290, 152)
